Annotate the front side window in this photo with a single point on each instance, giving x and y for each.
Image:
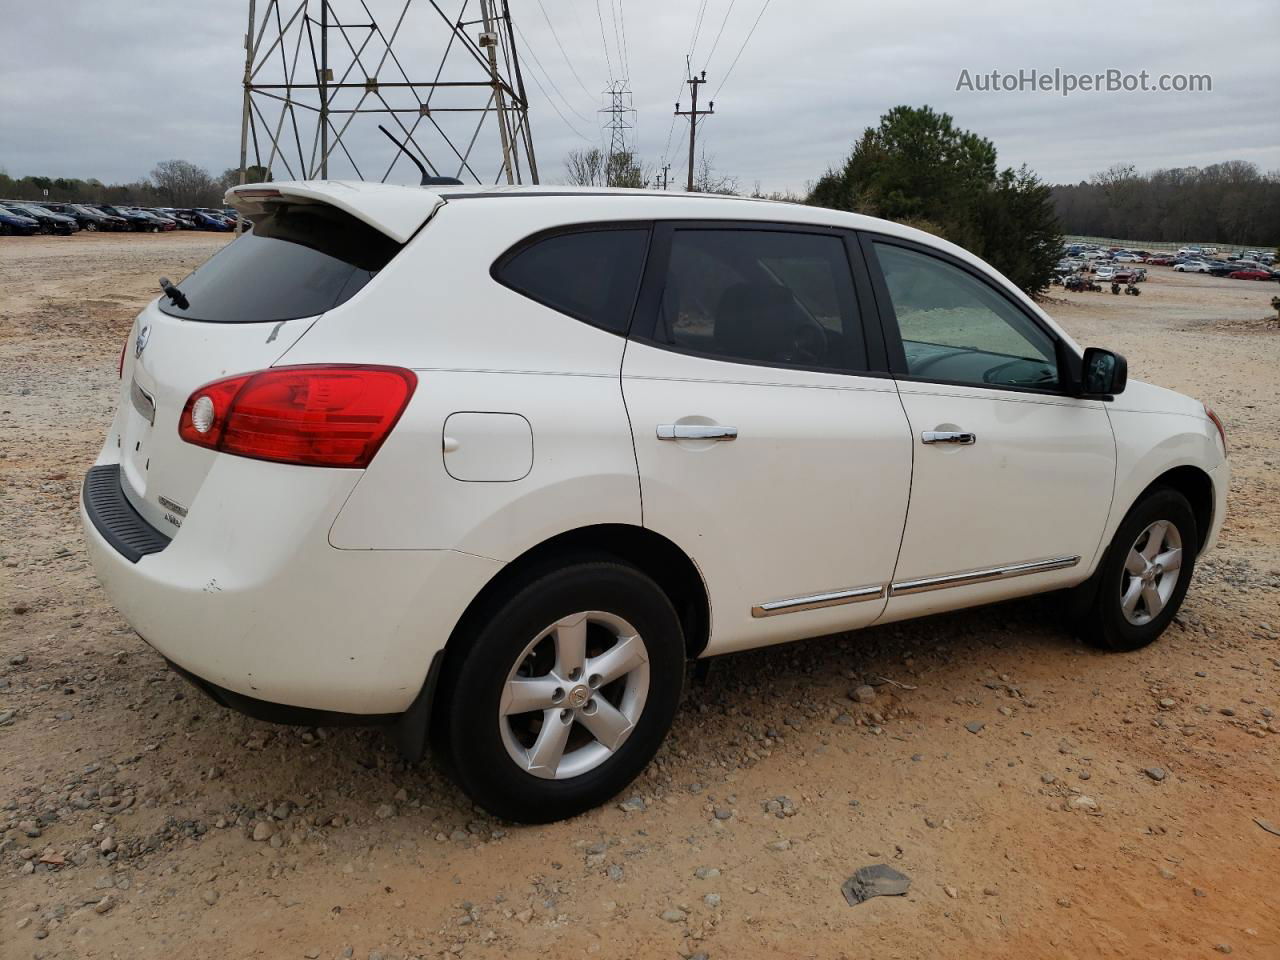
(592, 275)
(956, 329)
(762, 296)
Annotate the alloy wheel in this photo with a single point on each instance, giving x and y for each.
(1150, 574)
(574, 695)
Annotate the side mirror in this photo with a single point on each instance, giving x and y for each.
(1103, 374)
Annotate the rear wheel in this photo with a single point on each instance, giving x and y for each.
(564, 695)
(1144, 576)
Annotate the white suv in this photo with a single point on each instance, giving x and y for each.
(497, 463)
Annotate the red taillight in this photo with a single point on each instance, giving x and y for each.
(1217, 422)
(322, 416)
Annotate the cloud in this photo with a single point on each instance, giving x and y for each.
(107, 90)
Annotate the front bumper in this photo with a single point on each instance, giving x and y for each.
(250, 597)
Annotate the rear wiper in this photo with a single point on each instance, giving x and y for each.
(176, 296)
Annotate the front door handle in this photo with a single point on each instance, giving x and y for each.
(696, 431)
(962, 437)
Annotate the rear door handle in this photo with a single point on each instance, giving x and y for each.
(962, 437)
(695, 431)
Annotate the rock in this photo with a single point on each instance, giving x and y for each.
(863, 694)
(778, 845)
(1047, 778)
(17, 660)
(29, 827)
(951, 892)
(632, 804)
(1223, 947)
(1168, 874)
(674, 915)
(104, 905)
(1082, 802)
(1167, 703)
(707, 873)
(107, 845)
(311, 954)
(712, 900)
(209, 896)
(1155, 773)
(1267, 825)
(263, 831)
(990, 892)
(876, 880)
(723, 813)
(974, 727)
(1227, 712)
(615, 872)
(6, 717)
(385, 811)
(525, 915)
(1084, 774)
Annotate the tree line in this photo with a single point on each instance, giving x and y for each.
(1232, 202)
(173, 183)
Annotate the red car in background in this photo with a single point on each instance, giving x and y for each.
(1160, 261)
(1249, 275)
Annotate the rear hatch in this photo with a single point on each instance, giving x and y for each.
(312, 247)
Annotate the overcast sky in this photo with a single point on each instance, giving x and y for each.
(108, 89)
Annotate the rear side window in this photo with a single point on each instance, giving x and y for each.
(298, 260)
(762, 296)
(591, 274)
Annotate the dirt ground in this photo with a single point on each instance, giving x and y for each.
(129, 803)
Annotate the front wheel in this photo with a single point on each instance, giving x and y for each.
(1144, 576)
(564, 695)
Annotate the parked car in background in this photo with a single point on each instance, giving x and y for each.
(1105, 273)
(1253, 273)
(1126, 257)
(1160, 260)
(88, 218)
(1192, 266)
(1129, 275)
(183, 220)
(135, 220)
(13, 223)
(49, 221)
(317, 498)
(208, 221)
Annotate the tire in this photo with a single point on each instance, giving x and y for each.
(1105, 622)
(493, 750)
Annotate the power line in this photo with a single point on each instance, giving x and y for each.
(743, 47)
(613, 14)
(697, 27)
(604, 42)
(534, 57)
(556, 37)
(626, 51)
(720, 32)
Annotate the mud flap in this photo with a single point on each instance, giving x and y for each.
(413, 727)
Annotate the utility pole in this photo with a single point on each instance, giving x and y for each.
(693, 113)
(325, 75)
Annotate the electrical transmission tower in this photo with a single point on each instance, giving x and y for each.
(693, 113)
(320, 76)
(622, 116)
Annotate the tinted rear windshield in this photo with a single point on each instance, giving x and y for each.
(297, 261)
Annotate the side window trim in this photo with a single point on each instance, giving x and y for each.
(896, 352)
(652, 288)
(570, 229)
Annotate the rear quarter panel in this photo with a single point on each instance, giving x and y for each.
(477, 346)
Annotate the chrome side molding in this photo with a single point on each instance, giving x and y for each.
(817, 601)
(925, 584)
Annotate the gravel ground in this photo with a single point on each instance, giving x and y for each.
(1045, 800)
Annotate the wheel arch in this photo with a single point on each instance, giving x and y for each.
(1196, 485)
(651, 553)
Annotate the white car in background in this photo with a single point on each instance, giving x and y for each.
(498, 463)
(1191, 266)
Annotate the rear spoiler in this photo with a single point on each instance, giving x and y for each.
(393, 210)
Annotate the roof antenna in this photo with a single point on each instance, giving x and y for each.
(427, 180)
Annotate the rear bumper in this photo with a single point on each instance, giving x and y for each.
(250, 597)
